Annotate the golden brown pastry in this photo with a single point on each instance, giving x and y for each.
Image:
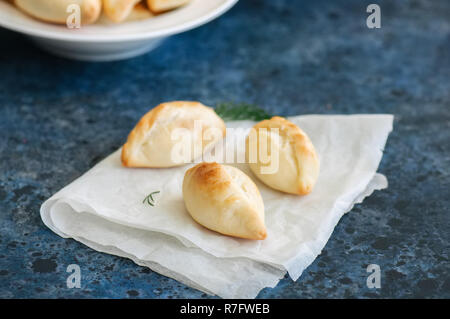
(118, 10)
(55, 11)
(158, 6)
(291, 164)
(139, 12)
(172, 134)
(222, 198)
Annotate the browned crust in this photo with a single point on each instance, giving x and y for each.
(212, 178)
(147, 121)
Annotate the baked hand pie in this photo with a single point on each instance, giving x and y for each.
(222, 198)
(158, 6)
(118, 10)
(282, 156)
(55, 11)
(172, 134)
(138, 13)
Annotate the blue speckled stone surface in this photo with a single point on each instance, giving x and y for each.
(59, 117)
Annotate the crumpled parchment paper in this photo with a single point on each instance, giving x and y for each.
(104, 209)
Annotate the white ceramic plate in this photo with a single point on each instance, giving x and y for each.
(100, 42)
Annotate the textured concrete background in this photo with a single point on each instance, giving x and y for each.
(58, 118)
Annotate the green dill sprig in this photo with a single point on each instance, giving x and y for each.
(149, 199)
(230, 111)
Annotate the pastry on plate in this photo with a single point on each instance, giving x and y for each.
(118, 10)
(138, 13)
(222, 198)
(172, 134)
(55, 11)
(158, 6)
(282, 156)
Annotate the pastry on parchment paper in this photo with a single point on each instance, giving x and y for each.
(282, 156)
(222, 198)
(172, 134)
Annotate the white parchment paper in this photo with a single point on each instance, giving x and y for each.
(103, 209)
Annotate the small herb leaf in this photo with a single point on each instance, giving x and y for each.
(149, 198)
(230, 111)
